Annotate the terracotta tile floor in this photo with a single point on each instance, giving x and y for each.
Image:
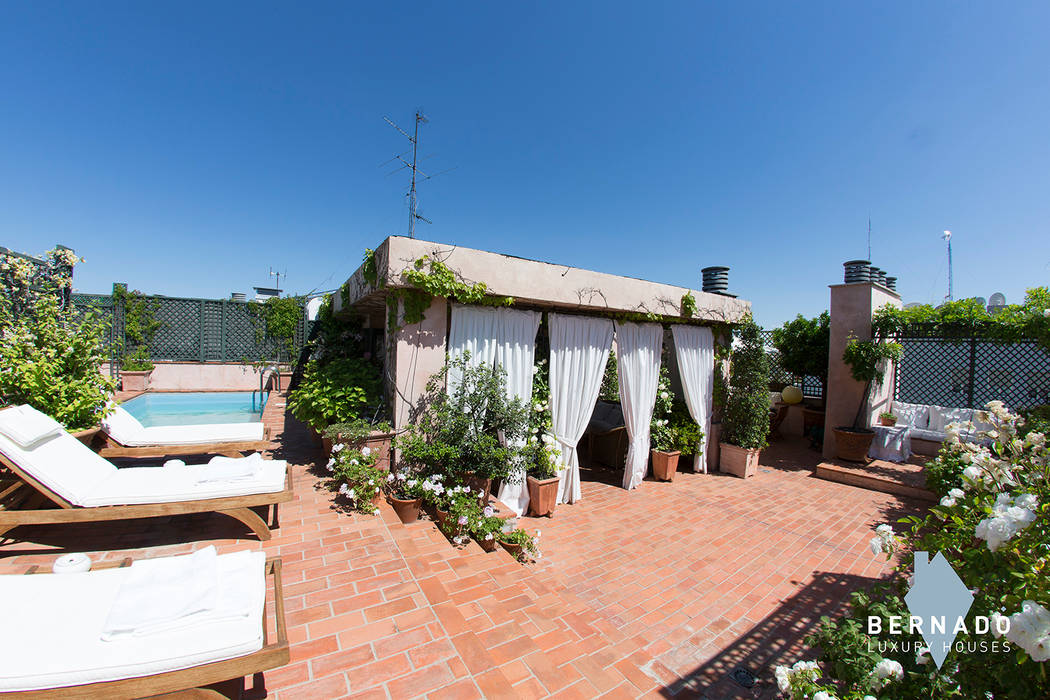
(663, 591)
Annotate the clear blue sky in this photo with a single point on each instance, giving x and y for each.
(186, 148)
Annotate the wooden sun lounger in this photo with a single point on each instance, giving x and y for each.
(107, 447)
(26, 501)
(188, 682)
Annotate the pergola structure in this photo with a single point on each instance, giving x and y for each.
(584, 310)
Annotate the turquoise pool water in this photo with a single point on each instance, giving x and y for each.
(194, 408)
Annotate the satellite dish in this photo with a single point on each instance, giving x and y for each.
(912, 305)
(997, 299)
(982, 301)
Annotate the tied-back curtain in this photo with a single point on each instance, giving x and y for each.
(516, 352)
(638, 348)
(695, 351)
(579, 351)
(473, 330)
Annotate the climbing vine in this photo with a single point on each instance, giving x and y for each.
(688, 305)
(140, 325)
(369, 269)
(278, 318)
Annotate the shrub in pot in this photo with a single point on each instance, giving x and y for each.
(887, 418)
(135, 370)
(866, 360)
(337, 391)
(356, 478)
(542, 454)
(663, 440)
(745, 421)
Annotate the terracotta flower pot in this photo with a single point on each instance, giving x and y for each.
(326, 445)
(889, 422)
(442, 517)
(135, 381)
(738, 461)
(407, 510)
(488, 545)
(513, 549)
(665, 464)
(543, 496)
(852, 444)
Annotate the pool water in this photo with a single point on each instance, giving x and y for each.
(194, 408)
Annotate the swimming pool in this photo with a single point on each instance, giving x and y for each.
(194, 408)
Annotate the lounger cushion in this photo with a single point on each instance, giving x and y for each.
(59, 618)
(126, 429)
(914, 414)
(139, 485)
(61, 463)
(27, 426)
(926, 434)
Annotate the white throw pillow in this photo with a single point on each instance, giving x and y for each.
(941, 416)
(914, 414)
(121, 425)
(26, 426)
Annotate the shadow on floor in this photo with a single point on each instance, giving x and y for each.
(776, 639)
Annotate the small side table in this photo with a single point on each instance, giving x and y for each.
(892, 443)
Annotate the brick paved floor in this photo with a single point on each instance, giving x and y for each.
(659, 592)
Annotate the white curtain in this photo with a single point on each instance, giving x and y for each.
(638, 348)
(516, 352)
(473, 330)
(579, 351)
(695, 351)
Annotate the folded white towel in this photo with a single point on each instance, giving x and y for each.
(160, 592)
(232, 468)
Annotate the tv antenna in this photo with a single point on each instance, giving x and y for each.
(417, 174)
(277, 274)
(947, 237)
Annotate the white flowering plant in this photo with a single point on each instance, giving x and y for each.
(542, 453)
(511, 534)
(356, 478)
(992, 525)
(672, 429)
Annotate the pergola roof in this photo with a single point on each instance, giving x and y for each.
(534, 283)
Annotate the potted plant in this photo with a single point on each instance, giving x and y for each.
(358, 433)
(336, 391)
(485, 528)
(405, 493)
(518, 543)
(135, 370)
(543, 454)
(355, 478)
(866, 360)
(662, 437)
(887, 418)
(745, 423)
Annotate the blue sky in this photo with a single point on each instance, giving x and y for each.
(186, 148)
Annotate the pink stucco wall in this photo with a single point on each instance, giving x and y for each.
(207, 376)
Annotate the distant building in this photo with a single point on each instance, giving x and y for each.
(264, 293)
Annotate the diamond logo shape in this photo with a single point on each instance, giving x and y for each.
(938, 595)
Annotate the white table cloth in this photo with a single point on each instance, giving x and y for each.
(892, 443)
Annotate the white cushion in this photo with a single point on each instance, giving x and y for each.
(26, 426)
(925, 434)
(139, 485)
(121, 425)
(62, 463)
(940, 417)
(913, 414)
(198, 434)
(59, 618)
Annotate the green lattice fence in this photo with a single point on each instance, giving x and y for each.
(196, 330)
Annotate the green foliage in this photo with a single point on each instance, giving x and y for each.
(688, 305)
(278, 319)
(456, 431)
(803, 345)
(368, 269)
(746, 419)
(429, 277)
(888, 416)
(662, 437)
(993, 527)
(23, 280)
(610, 390)
(140, 325)
(1036, 420)
(51, 358)
(1013, 322)
(337, 391)
(542, 453)
(356, 477)
(866, 358)
(356, 431)
(522, 538)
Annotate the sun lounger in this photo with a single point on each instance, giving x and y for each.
(58, 650)
(57, 479)
(125, 436)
